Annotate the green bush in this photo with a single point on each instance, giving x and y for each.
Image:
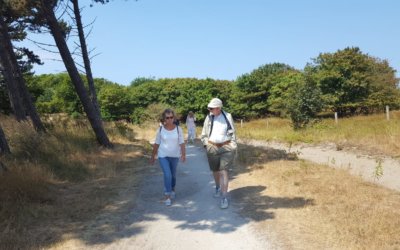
(304, 104)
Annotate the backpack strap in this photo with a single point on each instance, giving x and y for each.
(212, 123)
(227, 121)
(177, 130)
(229, 126)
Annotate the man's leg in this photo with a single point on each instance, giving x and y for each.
(214, 161)
(217, 178)
(226, 162)
(224, 182)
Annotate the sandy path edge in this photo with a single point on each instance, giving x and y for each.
(356, 163)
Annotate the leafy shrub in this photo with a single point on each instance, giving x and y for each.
(304, 103)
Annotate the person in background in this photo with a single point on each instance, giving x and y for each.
(191, 127)
(169, 145)
(219, 138)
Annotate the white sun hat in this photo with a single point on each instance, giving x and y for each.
(215, 103)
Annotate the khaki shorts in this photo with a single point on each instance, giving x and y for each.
(220, 158)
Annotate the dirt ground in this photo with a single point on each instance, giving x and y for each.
(194, 221)
(276, 203)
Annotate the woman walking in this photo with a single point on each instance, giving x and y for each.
(169, 146)
(191, 127)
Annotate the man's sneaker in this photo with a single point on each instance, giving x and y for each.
(224, 203)
(173, 195)
(217, 193)
(168, 202)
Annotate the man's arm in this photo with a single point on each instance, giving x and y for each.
(204, 132)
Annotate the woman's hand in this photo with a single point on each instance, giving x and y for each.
(152, 160)
(154, 153)
(183, 157)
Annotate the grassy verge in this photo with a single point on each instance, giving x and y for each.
(309, 206)
(59, 181)
(373, 134)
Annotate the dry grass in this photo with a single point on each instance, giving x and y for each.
(59, 181)
(373, 134)
(309, 206)
(145, 131)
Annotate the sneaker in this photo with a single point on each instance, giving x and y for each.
(217, 193)
(173, 195)
(224, 203)
(168, 202)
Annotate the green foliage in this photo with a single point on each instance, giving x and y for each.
(346, 81)
(280, 92)
(304, 102)
(251, 95)
(378, 171)
(54, 94)
(185, 94)
(144, 94)
(140, 80)
(114, 102)
(350, 80)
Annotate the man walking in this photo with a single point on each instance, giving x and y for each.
(219, 138)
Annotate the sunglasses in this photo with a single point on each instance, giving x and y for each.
(169, 117)
(211, 108)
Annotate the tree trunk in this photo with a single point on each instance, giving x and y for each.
(69, 63)
(85, 56)
(16, 80)
(7, 70)
(4, 148)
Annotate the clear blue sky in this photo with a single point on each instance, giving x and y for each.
(223, 39)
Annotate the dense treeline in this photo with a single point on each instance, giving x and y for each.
(348, 82)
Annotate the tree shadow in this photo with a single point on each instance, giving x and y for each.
(255, 206)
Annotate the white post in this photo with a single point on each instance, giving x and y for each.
(336, 118)
(387, 113)
(241, 123)
(267, 123)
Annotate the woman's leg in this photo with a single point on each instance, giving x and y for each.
(173, 163)
(165, 167)
(190, 134)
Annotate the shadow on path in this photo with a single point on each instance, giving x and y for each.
(255, 206)
(194, 213)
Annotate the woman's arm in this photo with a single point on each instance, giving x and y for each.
(183, 152)
(154, 153)
(156, 145)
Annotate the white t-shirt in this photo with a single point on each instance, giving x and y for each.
(220, 127)
(169, 141)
